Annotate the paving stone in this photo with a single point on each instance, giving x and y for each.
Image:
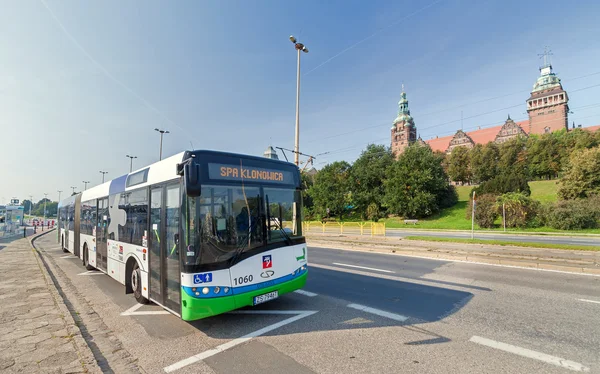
(14, 351)
(15, 335)
(57, 359)
(5, 363)
(35, 338)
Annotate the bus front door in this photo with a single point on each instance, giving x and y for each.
(164, 246)
(101, 234)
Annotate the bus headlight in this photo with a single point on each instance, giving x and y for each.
(197, 293)
(226, 289)
(217, 289)
(303, 268)
(205, 290)
(194, 289)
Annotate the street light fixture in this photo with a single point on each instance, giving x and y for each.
(85, 183)
(162, 132)
(131, 162)
(103, 172)
(73, 188)
(45, 200)
(299, 47)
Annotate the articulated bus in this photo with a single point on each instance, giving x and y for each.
(199, 233)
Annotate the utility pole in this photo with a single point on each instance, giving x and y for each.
(85, 183)
(30, 204)
(131, 162)
(59, 192)
(162, 132)
(73, 188)
(103, 172)
(299, 47)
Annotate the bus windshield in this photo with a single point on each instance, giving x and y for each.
(226, 224)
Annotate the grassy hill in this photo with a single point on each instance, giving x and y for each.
(454, 218)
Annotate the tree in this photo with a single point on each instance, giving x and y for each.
(503, 183)
(582, 175)
(307, 201)
(367, 180)
(417, 185)
(544, 156)
(484, 162)
(331, 189)
(459, 165)
(27, 205)
(513, 157)
(520, 210)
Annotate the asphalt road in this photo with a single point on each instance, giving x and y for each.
(365, 313)
(580, 240)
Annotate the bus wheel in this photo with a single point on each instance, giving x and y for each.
(62, 244)
(86, 258)
(136, 284)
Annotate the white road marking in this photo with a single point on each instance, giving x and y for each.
(243, 339)
(363, 267)
(306, 293)
(463, 261)
(379, 312)
(91, 272)
(571, 365)
(589, 301)
(132, 311)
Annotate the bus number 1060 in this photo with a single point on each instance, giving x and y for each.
(242, 280)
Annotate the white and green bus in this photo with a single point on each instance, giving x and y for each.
(199, 233)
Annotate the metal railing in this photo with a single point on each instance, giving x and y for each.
(356, 228)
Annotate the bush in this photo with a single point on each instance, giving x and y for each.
(520, 210)
(504, 183)
(485, 210)
(573, 214)
(449, 197)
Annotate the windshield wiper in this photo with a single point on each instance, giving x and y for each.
(282, 231)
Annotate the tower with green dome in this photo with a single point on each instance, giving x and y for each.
(403, 131)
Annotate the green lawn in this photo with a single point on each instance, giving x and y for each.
(454, 218)
(505, 243)
(544, 191)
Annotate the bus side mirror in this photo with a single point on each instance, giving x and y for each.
(191, 178)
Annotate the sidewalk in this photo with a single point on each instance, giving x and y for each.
(540, 258)
(37, 333)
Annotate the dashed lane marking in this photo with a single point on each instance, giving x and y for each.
(557, 361)
(379, 312)
(223, 347)
(363, 267)
(133, 311)
(589, 301)
(91, 272)
(306, 293)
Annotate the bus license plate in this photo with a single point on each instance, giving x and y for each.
(266, 297)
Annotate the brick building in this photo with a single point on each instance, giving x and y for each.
(547, 109)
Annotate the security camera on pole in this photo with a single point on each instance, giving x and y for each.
(299, 47)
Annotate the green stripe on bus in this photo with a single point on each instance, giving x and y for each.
(193, 309)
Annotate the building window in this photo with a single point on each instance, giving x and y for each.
(561, 97)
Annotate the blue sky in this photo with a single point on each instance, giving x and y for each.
(221, 74)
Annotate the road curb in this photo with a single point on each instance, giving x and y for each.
(430, 253)
(86, 356)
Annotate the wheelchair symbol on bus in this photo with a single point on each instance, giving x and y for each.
(202, 278)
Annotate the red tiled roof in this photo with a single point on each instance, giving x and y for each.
(524, 125)
(439, 144)
(592, 128)
(482, 136)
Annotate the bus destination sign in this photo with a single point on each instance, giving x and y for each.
(249, 173)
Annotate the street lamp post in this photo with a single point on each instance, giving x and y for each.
(103, 172)
(73, 188)
(85, 183)
(30, 204)
(162, 132)
(131, 162)
(45, 200)
(59, 192)
(299, 47)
